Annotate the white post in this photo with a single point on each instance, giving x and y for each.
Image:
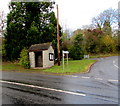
(67, 58)
(63, 59)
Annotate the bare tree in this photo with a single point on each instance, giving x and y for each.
(110, 15)
(2, 23)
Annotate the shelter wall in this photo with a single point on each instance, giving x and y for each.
(32, 59)
(47, 62)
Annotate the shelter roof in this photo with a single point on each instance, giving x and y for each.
(40, 47)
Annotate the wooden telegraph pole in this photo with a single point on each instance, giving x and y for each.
(58, 37)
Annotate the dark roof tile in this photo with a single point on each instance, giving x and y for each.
(40, 47)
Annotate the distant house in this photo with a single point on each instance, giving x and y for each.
(41, 55)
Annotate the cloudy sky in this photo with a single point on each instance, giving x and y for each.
(74, 14)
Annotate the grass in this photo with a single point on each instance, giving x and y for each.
(102, 55)
(11, 66)
(76, 66)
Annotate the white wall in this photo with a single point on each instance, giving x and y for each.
(32, 59)
(46, 61)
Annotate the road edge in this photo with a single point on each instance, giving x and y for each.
(90, 67)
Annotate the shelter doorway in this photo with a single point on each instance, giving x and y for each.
(38, 59)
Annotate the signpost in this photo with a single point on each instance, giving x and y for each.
(63, 55)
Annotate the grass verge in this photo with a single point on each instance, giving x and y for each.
(76, 66)
(102, 55)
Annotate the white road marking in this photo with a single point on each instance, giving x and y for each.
(74, 76)
(113, 80)
(86, 77)
(115, 65)
(51, 89)
(98, 78)
(113, 62)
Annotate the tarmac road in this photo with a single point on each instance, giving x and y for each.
(99, 86)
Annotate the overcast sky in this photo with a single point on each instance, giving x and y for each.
(73, 14)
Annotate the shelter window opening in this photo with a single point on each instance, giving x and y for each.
(51, 56)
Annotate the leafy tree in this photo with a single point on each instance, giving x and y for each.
(107, 28)
(3, 50)
(108, 44)
(92, 43)
(29, 23)
(76, 51)
(75, 33)
(117, 42)
(66, 44)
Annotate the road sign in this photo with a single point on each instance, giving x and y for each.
(63, 54)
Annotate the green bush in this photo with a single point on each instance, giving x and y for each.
(76, 53)
(4, 58)
(24, 58)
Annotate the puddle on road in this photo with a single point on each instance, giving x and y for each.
(30, 91)
(100, 97)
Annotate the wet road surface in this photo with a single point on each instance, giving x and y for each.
(100, 86)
